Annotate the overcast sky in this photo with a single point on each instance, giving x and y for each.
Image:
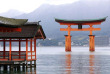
(28, 5)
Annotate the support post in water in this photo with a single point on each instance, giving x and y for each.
(67, 43)
(91, 42)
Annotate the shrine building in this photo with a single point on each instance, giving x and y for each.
(19, 30)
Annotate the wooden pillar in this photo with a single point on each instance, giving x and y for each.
(67, 43)
(0, 67)
(31, 52)
(5, 67)
(69, 30)
(35, 47)
(11, 67)
(26, 49)
(18, 67)
(23, 67)
(31, 47)
(35, 52)
(19, 48)
(30, 63)
(10, 50)
(91, 42)
(4, 49)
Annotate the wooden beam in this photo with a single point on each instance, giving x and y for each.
(4, 29)
(86, 29)
(41, 34)
(14, 40)
(83, 29)
(38, 37)
(17, 29)
(63, 29)
(3, 59)
(18, 59)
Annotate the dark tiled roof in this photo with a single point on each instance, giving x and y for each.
(80, 21)
(11, 22)
(29, 30)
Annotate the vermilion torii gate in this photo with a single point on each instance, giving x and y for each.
(80, 23)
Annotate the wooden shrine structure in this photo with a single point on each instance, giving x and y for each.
(80, 23)
(19, 30)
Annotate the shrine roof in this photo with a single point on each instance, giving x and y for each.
(28, 31)
(11, 22)
(80, 21)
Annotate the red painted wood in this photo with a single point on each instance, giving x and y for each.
(15, 40)
(19, 52)
(35, 46)
(3, 59)
(18, 59)
(31, 60)
(5, 29)
(41, 34)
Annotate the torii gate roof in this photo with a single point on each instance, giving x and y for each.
(81, 22)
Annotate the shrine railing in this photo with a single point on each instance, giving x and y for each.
(31, 55)
(14, 55)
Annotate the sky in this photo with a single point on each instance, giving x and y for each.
(28, 5)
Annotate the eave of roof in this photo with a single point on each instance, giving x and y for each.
(40, 27)
(80, 21)
(28, 31)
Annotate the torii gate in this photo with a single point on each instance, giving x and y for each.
(90, 22)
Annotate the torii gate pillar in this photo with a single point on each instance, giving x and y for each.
(91, 43)
(68, 43)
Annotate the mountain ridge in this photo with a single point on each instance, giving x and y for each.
(77, 10)
(11, 13)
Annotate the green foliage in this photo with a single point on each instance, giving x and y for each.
(48, 42)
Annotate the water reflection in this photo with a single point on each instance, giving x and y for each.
(31, 71)
(91, 63)
(80, 63)
(68, 63)
(77, 62)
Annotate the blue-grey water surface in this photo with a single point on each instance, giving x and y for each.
(54, 60)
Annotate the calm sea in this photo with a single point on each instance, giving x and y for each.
(54, 60)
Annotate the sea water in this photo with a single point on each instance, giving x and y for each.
(54, 60)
